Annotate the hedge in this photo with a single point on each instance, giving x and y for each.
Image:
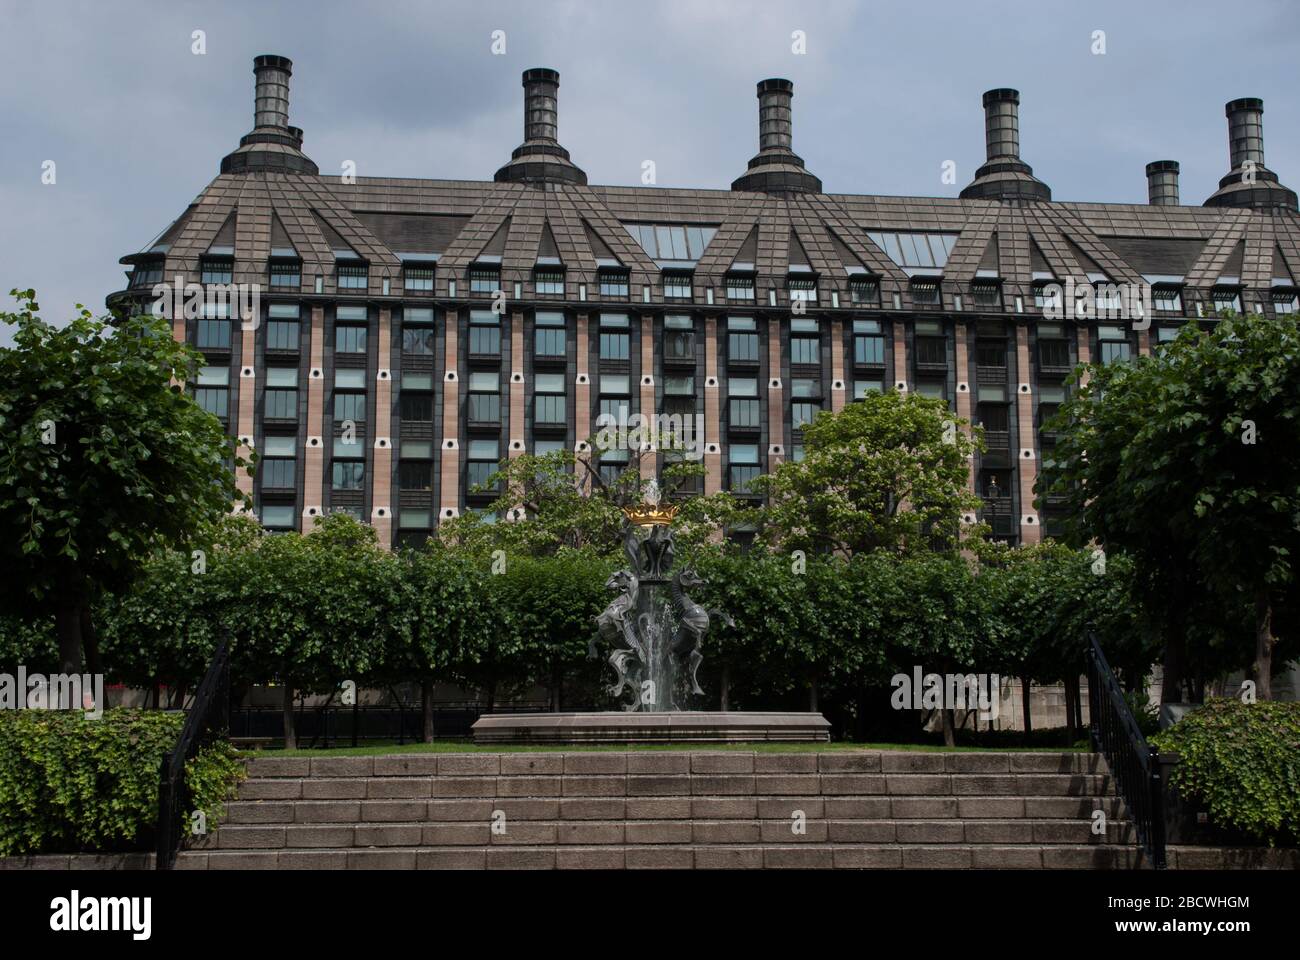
(70, 784)
(1242, 763)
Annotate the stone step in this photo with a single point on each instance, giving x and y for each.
(695, 832)
(671, 808)
(374, 788)
(722, 856)
(597, 763)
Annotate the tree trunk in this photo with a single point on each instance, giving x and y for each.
(1025, 697)
(557, 688)
(945, 716)
(726, 687)
(426, 708)
(67, 624)
(1171, 683)
(812, 695)
(290, 739)
(90, 641)
(1071, 731)
(1264, 643)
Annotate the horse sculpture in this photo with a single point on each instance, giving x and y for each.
(693, 621)
(615, 626)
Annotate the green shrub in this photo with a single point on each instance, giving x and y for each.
(1242, 762)
(70, 784)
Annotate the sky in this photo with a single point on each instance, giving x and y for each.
(136, 121)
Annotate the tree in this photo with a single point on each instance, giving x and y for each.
(886, 472)
(568, 505)
(1187, 460)
(105, 459)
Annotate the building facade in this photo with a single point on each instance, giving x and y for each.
(410, 334)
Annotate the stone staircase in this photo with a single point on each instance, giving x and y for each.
(641, 809)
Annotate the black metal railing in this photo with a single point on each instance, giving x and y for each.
(1133, 762)
(208, 719)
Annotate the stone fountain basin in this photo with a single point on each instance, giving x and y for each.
(684, 726)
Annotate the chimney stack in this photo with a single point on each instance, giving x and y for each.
(540, 159)
(1245, 131)
(1162, 183)
(271, 100)
(272, 145)
(1249, 183)
(776, 168)
(1004, 175)
(1002, 123)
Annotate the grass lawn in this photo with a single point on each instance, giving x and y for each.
(465, 746)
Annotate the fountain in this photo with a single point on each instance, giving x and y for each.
(653, 632)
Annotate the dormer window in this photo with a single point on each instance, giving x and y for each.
(1285, 301)
(925, 292)
(802, 288)
(147, 273)
(418, 279)
(987, 296)
(1167, 299)
(1048, 298)
(353, 276)
(740, 286)
(484, 279)
(1226, 298)
(549, 281)
(677, 285)
(216, 270)
(286, 274)
(613, 283)
(864, 291)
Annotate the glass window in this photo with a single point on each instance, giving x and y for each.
(548, 408)
(349, 406)
(353, 276)
(351, 312)
(415, 407)
(614, 345)
(803, 388)
(677, 286)
(484, 450)
(864, 291)
(214, 376)
(348, 449)
(543, 448)
(869, 349)
(279, 446)
(283, 311)
(1112, 351)
(549, 282)
(802, 413)
(418, 341)
(672, 241)
(614, 383)
(213, 335)
(805, 350)
(219, 270)
(742, 465)
(485, 381)
(212, 400)
(928, 389)
(412, 316)
(742, 340)
(549, 334)
(991, 353)
(1226, 298)
(862, 387)
(802, 289)
(349, 339)
(408, 519)
(418, 279)
(484, 279)
(282, 376)
(614, 283)
(281, 404)
(278, 474)
(992, 394)
(349, 474)
(287, 275)
(925, 292)
(916, 249)
(349, 379)
(282, 335)
(484, 333)
(743, 412)
(417, 450)
(1168, 299)
(740, 288)
(278, 517)
(742, 387)
(1049, 297)
(987, 296)
(415, 475)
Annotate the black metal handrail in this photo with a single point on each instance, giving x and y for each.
(1133, 762)
(208, 719)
